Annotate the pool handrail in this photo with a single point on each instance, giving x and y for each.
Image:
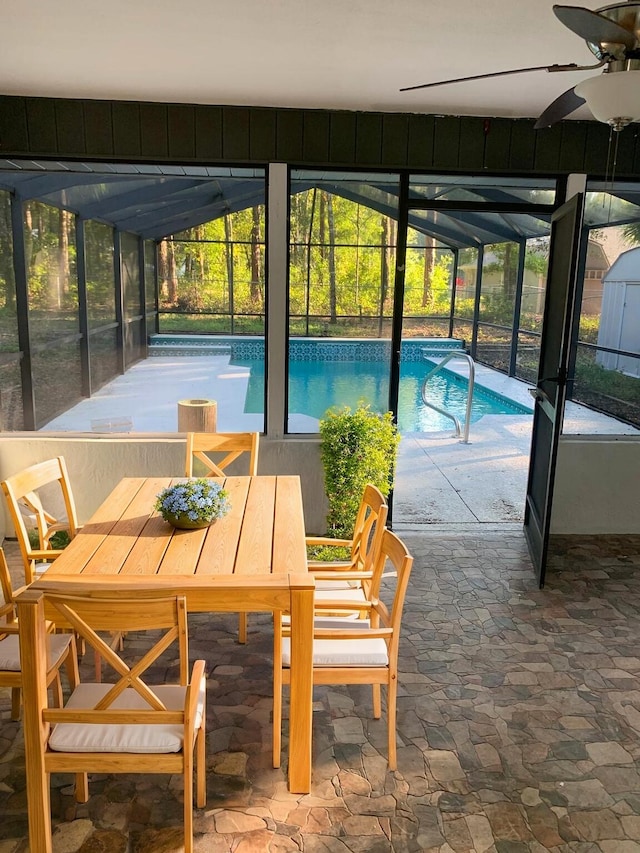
(471, 383)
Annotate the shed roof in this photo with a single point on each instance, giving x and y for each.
(626, 268)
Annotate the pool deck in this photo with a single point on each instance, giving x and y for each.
(440, 481)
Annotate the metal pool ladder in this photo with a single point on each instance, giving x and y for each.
(472, 379)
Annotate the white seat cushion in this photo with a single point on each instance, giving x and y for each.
(370, 651)
(347, 593)
(57, 645)
(90, 737)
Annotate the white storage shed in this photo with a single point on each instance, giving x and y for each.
(620, 318)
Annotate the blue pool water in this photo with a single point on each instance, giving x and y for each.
(315, 387)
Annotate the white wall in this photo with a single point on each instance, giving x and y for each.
(97, 464)
(597, 487)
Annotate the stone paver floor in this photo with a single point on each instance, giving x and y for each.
(518, 729)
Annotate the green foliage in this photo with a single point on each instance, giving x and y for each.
(589, 326)
(609, 383)
(631, 233)
(58, 541)
(357, 447)
(327, 554)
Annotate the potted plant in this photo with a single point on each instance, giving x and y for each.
(356, 447)
(193, 503)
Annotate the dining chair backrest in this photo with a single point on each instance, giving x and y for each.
(364, 547)
(227, 447)
(369, 528)
(25, 501)
(129, 722)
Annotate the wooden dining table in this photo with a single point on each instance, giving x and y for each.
(253, 559)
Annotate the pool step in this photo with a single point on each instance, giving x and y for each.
(197, 345)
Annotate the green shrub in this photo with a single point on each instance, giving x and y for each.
(58, 541)
(357, 447)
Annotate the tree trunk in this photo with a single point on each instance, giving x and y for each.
(6, 258)
(333, 297)
(228, 256)
(509, 271)
(385, 241)
(429, 252)
(322, 236)
(167, 275)
(256, 259)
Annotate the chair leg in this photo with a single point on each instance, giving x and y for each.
(201, 781)
(15, 703)
(188, 802)
(377, 702)
(71, 665)
(242, 627)
(97, 666)
(392, 690)
(82, 787)
(56, 687)
(277, 689)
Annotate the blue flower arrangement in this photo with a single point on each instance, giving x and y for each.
(193, 503)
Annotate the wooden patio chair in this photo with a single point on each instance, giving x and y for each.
(364, 651)
(26, 492)
(25, 504)
(229, 445)
(131, 725)
(60, 647)
(353, 578)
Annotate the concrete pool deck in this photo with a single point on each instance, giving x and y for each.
(440, 481)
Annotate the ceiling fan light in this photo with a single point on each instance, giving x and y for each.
(613, 98)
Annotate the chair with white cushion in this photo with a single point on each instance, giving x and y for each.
(60, 648)
(364, 651)
(353, 578)
(27, 493)
(131, 725)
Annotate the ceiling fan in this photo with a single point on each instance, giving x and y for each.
(612, 34)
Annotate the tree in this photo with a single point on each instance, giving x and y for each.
(631, 233)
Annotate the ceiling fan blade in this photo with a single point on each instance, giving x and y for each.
(563, 106)
(572, 66)
(593, 27)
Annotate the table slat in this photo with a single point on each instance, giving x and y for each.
(220, 547)
(112, 553)
(289, 552)
(256, 538)
(73, 560)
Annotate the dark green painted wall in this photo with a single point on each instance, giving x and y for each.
(128, 131)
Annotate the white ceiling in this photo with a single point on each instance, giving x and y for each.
(341, 54)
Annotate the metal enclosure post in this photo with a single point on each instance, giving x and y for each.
(476, 303)
(22, 311)
(117, 274)
(83, 309)
(454, 279)
(144, 343)
(516, 308)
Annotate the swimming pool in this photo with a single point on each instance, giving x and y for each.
(315, 387)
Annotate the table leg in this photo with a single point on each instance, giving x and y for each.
(33, 659)
(301, 689)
